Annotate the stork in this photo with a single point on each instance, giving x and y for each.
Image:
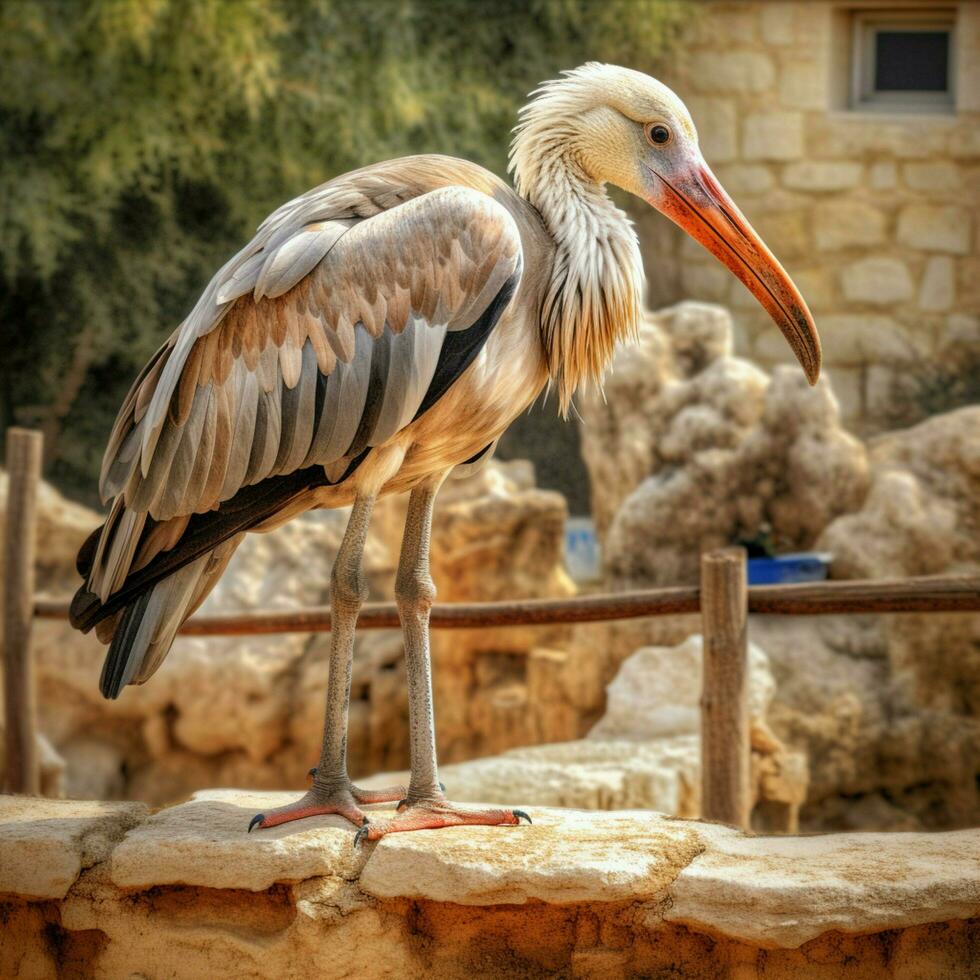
(377, 332)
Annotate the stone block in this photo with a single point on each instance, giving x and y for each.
(776, 22)
(817, 286)
(705, 280)
(882, 387)
(860, 338)
(968, 58)
(934, 177)
(716, 123)
(935, 228)
(847, 384)
(741, 72)
(773, 136)
(877, 280)
(785, 232)
(843, 224)
(938, 287)
(746, 178)
(852, 136)
(804, 84)
(883, 176)
(964, 140)
(822, 175)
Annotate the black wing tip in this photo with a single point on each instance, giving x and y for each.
(83, 613)
(86, 554)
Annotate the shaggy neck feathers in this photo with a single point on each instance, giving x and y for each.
(594, 297)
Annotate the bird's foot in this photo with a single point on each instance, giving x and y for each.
(313, 803)
(343, 798)
(366, 797)
(431, 814)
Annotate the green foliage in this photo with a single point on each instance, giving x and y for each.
(144, 139)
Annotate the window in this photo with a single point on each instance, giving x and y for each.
(903, 61)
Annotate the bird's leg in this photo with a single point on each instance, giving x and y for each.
(425, 805)
(332, 790)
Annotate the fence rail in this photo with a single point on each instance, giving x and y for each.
(722, 599)
(923, 594)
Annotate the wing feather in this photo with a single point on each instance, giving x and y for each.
(317, 341)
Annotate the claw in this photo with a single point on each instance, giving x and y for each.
(442, 786)
(521, 814)
(257, 819)
(402, 803)
(362, 832)
(312, 773)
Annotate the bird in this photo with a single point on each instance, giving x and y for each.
(378, 333)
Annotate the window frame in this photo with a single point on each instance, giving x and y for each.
(867, 24)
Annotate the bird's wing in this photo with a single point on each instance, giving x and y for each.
(325, 336)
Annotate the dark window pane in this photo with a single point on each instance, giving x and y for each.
(911, 61)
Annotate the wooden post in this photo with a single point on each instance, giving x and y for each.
(24, 449)
(725, 759)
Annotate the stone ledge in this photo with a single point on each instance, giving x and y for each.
(660, 876)
(45, 844)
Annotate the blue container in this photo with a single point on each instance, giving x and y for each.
(806, 566)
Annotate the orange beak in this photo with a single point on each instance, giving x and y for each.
(695, 201)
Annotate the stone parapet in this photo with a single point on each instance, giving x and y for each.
(187, 892)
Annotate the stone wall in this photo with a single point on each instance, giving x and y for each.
(106, 890)
(875, 216)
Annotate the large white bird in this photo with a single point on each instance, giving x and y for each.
(377, 332)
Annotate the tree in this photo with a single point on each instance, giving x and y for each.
(144, 139)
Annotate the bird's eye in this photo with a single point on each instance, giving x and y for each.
(658, 134)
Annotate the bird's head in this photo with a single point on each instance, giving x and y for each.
(618, 126)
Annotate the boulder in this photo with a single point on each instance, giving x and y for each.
(692, 449)
(888, 708)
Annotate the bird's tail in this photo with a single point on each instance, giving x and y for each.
(144, 630)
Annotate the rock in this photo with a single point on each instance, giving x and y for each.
(644, 752)
(205, 842)
(188, 893)
(249, 710)
(922, 514)
(722, 454)
(62, 526)
(45, 844)
(51, 763)
(740, 884)
(657, 692)
(891, 705)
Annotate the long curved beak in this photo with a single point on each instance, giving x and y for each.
(696, 202)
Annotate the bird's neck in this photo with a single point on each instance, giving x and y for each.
(594, 297)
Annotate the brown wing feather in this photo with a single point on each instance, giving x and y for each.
(276, 378)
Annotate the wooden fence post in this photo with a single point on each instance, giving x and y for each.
(725, 759)
(24, 449)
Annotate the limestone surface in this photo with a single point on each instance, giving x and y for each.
(692, 448)
(45, 844)
(187, 892)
